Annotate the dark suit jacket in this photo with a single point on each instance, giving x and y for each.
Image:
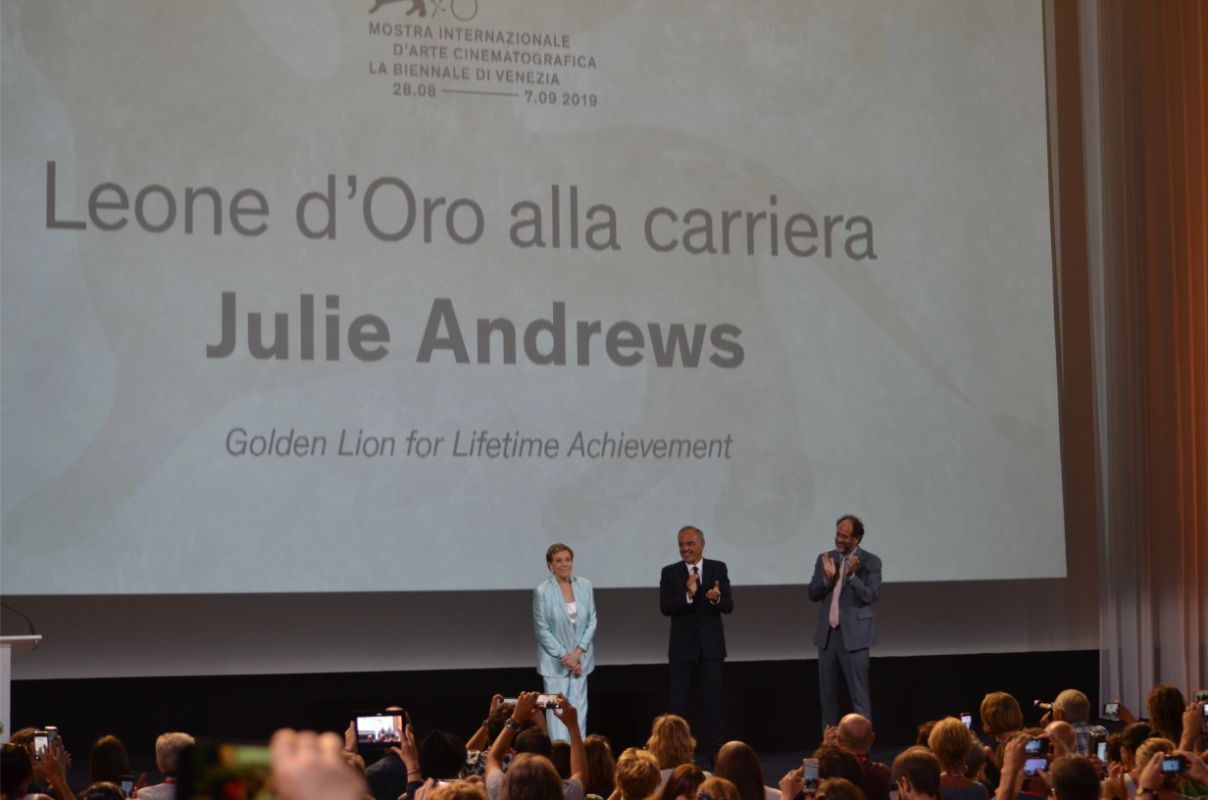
(696, 629)
(860, 591)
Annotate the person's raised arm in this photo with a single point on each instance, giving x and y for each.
(569, 716)
(479, 740)
(1013, 757)
(1193, 721)
(54, 767)
(503, 742)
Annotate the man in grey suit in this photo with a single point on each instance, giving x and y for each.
(847, 581)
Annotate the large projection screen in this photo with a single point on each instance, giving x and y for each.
(381, 296)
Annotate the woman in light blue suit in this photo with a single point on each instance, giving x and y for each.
(564, 620)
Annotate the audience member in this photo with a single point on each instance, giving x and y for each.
(950, 741)
(1074, 707)
(684, 782)
(1074, 777)
(835, 762)
(168, 749)
(737, 763)
(458, 790)
(637, 775)
(16, 771)
(559, 756)
(717, 789)
(107, 760)
(601, 766)
(856, 736)
(671, 743)
(1166, 706)
(839, 789)
(1001, 718)
(916, 772)
(102, 790)
(534, 766)
(1062, 734)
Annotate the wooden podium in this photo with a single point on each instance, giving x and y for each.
(10, 646)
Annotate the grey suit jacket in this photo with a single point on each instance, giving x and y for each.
(860, 591)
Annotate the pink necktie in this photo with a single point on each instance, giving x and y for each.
(834, 608)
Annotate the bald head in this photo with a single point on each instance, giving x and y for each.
(856, 734)
(1062, 731)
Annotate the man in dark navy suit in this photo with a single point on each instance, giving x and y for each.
(695, 592)
(847, 581)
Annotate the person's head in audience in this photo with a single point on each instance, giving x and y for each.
(1061, 731)
(671, 741)
(838, 789)
(1074, 777)
(1132, 737)
(835, 762)
(533, 740)
(737, 763)
(1152, 745)
(684, 781)
(1166, 705)
(601, 766)
(531, 777)
(1113, 749)
(559, 754)
(458, 790)
(717, 789)
(16, 771)
(1072, 706)
(497, 719)
(442, 755)
(108, 761)
(916, 771)
(1000, 714)
(637, 774)
(923, 732)
(975, 760)
(102, 790)
(951, 742)
(856, 734)
(168, 749)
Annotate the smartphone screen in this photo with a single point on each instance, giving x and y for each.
(810, 768)
(1172, 765)
(380, 729)
(127, 784)
(1033, 765)
(1111, 710)
(1101, 752)
(41, 742)
(967, 718)
(547, 701)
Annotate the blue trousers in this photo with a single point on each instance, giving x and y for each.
(575, 690)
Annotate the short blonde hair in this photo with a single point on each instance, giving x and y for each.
(1154, 744)
(458, 790)
(671, 741)
(950, 740)
(168, 749)
(637, 774)
(1000, 713)
(1074, 705)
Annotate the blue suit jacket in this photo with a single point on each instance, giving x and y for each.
(555, 635)
(860, 591)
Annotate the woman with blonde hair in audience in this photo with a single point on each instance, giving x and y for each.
(1169, 790)
(671, 744)
(951, 742)
(737, 763)
(637, 775)
(683, 783)
(717, 789)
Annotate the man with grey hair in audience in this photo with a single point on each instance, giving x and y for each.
(168, 750)
(1074, 707)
